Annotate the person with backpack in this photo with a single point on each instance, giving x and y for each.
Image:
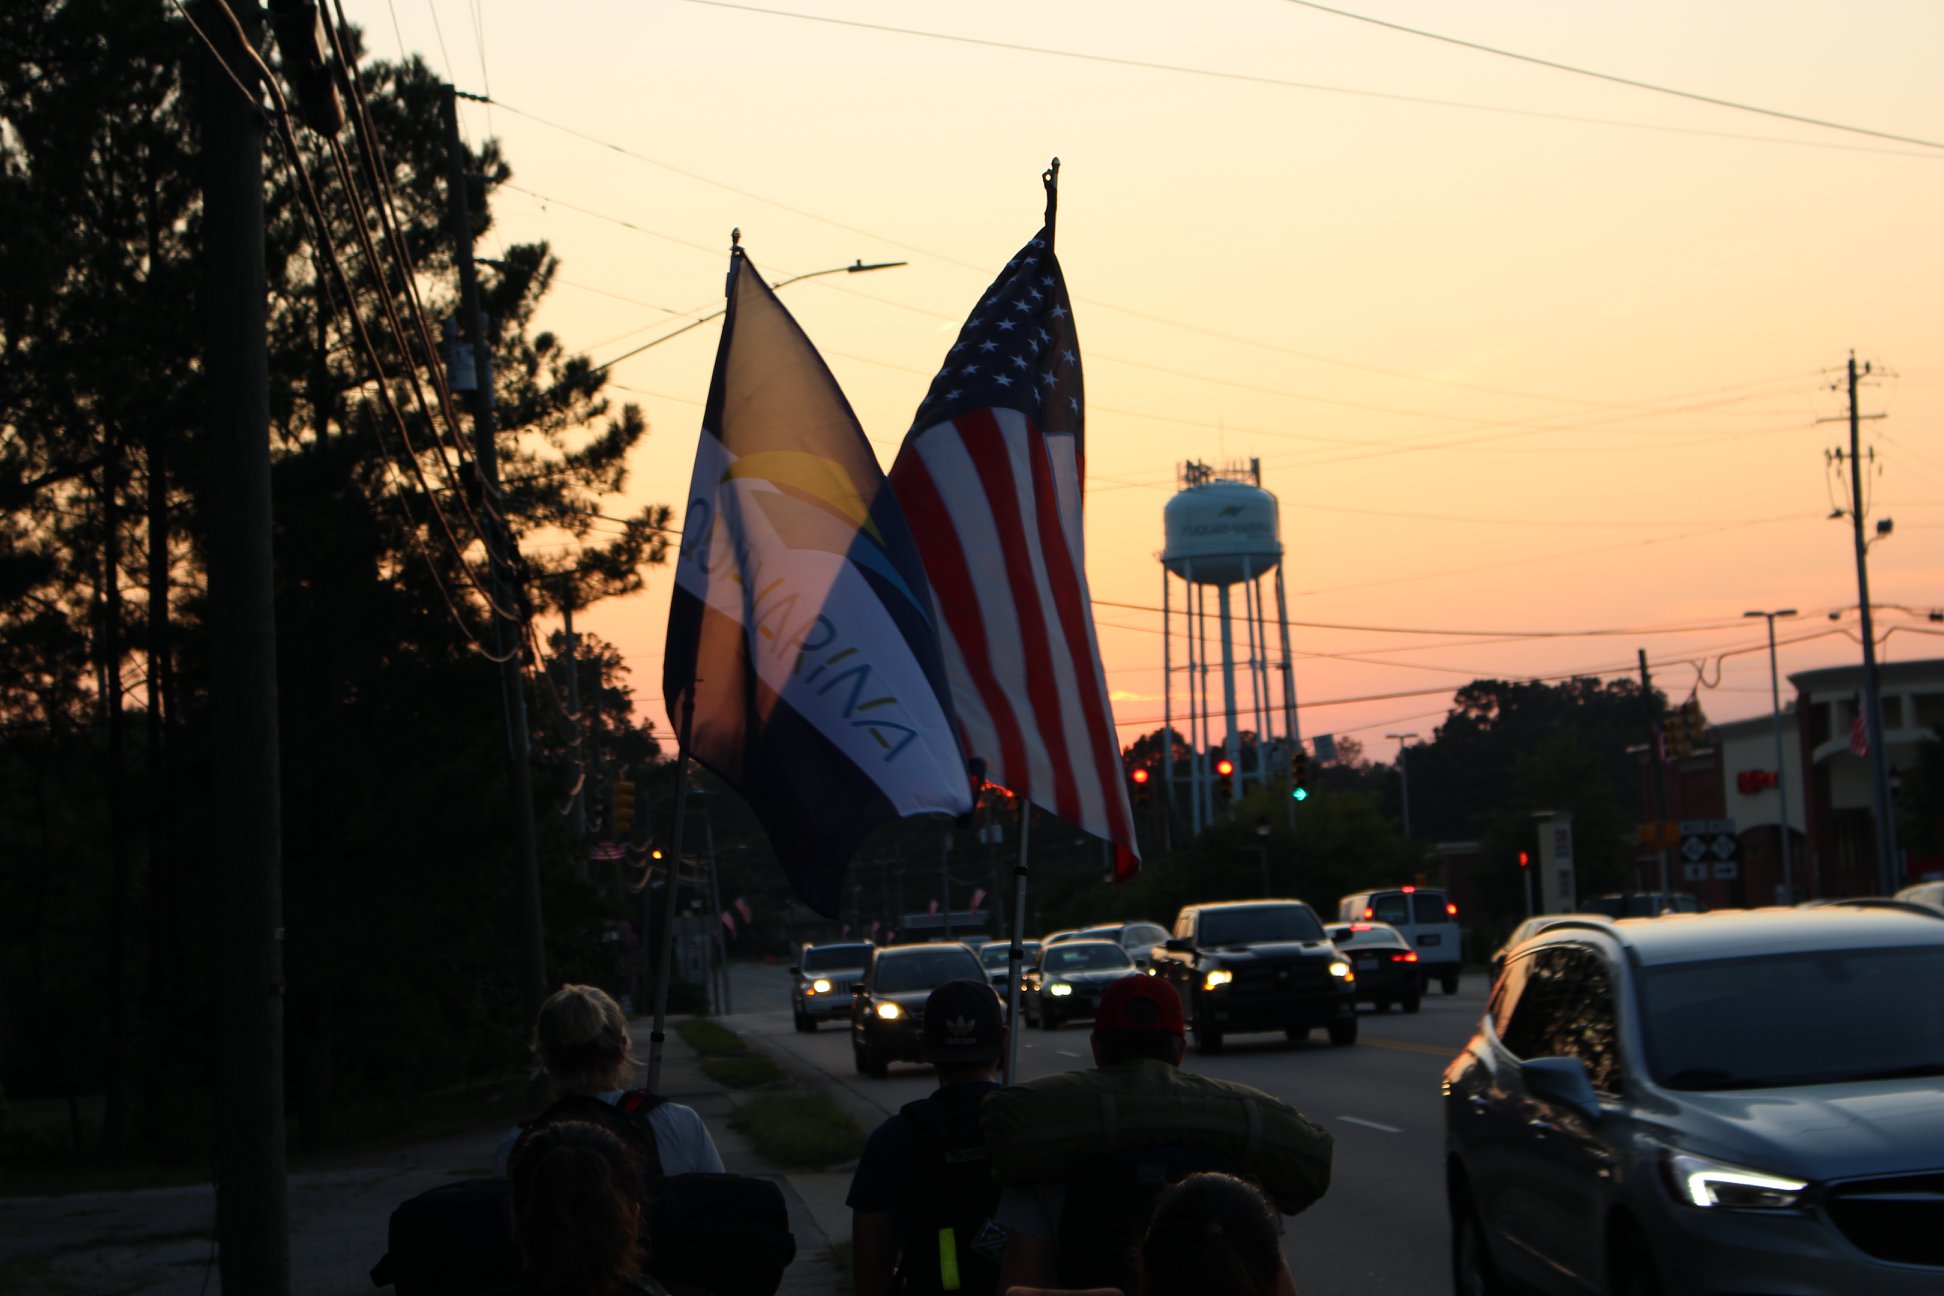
(923, 1196)
(577, 1215)
(1085, 1155)
(581, 1041)
(1214, 1235)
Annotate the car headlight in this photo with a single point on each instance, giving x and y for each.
(1702, 1181)
(1342, 969)
(1059, 989)
(889, 1011)
(1217, 977)
(820, 986)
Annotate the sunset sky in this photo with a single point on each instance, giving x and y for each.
(1526, 355)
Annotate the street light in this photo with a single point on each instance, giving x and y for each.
(1403, 774)
(529, 409)
(1781, 764)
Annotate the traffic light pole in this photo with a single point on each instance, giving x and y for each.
(506, 647)
(1656, 755)
(1886, 833)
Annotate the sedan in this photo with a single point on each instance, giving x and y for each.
(888, 1005)
(1067, 983)
(1385, 964)
(996, 955)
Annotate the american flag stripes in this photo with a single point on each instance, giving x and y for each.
(990, 481)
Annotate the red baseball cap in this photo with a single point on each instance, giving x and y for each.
(1139, 1002)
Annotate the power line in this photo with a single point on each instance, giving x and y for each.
(1616, 80)
(1360, 93)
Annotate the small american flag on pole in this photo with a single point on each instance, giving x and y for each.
(990, 478)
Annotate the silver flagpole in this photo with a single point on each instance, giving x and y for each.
(1016, 953)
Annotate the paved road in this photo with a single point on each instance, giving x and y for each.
(1382, 1228)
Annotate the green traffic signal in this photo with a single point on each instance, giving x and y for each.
(1299, 794)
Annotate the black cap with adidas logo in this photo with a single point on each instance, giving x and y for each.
(963, 1023)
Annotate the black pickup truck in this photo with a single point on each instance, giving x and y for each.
(1258, 965)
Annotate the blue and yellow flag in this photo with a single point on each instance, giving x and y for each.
(803, 663)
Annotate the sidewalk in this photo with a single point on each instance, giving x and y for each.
(159, 1242)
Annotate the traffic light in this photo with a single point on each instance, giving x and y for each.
(1299, 776)
(1140, 776)
(624, 796)
(1225, 777)
(1525, 859)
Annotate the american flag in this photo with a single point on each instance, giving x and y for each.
(990, 481)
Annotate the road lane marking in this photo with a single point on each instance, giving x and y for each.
(1357, 1120)
(1412, 1048)
(1065, 1053)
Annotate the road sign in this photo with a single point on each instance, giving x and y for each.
(1711, 846)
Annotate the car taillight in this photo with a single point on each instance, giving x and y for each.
(1369, 912)
(1410, 890)
(1451, 909)
(1408, 956)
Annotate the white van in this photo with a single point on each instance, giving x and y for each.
(1425, 917)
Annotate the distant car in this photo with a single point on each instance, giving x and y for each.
(1643, 904)
(1424, 917)
(1743, 1101)
(888, 1004)
(1138, 939)
(1924, 893)
(1531, 927)
(821, 981)
(1054, 938)
(995, 956)
(1066, 984)
(1385, 964)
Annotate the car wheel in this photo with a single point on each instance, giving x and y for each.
(1296, 1034)
(1410, 1003)
(1449, 983)
(804, 1022)
(1047, 1021)
(1344, 1032)
(1472, 1271)
(1632, 1263)
(1208, 1038)
(1380, 1005)
(860, 1059)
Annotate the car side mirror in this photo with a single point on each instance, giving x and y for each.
(795, 970)
(1561, 1080)
(1179, 944)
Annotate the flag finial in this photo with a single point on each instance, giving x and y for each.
(1051, 179)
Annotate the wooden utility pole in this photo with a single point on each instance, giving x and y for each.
(252, 1215)
(1888, 871)
(506, 639)
(1657, 755)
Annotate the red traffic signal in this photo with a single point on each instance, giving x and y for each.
(1140, 775)
(1225, 776)
(1525, 858)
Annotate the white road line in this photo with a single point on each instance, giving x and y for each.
(1065, 1053)
(1367, 1124)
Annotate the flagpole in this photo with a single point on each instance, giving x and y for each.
(674, 867)
(1016, 953)
(1051, 179)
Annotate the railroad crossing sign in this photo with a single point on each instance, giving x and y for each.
(1710, 848)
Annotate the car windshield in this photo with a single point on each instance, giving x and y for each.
(1742, 1023)
(1084, 958)
(826, 958)
(925, 969)
(995, 956)
(1258, 925)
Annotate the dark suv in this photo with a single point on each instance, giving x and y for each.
(888, 1005)
(1746, 1101)
(1256, 965)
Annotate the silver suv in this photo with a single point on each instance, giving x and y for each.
(1746, 1101)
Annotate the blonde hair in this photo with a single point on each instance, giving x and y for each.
(581, 1040)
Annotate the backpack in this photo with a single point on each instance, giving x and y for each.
(947, 1240)
(719, 1234)
(626, 1118)
(1109, 1203)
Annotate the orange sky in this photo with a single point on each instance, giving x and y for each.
(1523, 353)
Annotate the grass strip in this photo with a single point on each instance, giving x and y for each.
(707, 1037)
(799, 1131)
(741, 1070)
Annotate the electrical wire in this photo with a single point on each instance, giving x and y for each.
(1618, 80)
(1348, 90)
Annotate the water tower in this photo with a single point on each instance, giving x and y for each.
(1223, 533)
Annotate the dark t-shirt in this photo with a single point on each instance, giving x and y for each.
(885, 1168)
